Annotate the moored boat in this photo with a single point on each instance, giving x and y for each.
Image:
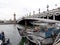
(4, 40)
(43, 35)
(57, 40)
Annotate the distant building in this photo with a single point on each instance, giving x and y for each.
(8, 21)
(11, 21)
(14, 18)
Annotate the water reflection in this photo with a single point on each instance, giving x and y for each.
(11, 32)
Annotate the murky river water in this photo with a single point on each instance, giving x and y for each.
(11, 32)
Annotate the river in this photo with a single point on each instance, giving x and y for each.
(11, 32)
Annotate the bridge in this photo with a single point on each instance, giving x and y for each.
(51, 14)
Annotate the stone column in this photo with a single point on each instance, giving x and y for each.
(53, 17)
(47, 16)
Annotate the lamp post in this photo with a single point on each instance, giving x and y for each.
(33, 12)
(54, 13)
(39, 10)
(30, 14)
(55, 5)
(47, 11)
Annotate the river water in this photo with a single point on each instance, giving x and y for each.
(11, 32)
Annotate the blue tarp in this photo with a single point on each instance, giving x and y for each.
(48, 34)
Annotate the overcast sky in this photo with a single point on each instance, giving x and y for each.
(22, 7)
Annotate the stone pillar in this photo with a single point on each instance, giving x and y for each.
(53, 17)
(25, 24)
(47, 16)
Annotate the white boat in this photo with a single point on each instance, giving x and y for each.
(40, 37)
(57, 40)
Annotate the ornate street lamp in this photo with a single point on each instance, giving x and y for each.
(47, 11)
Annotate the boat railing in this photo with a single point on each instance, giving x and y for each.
(57, 40)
